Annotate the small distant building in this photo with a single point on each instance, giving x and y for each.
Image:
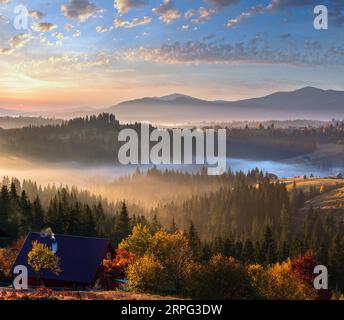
(80, 260)
(272, 177)
(339, 176)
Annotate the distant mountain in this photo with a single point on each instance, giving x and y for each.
(306, 103)
(8, 112)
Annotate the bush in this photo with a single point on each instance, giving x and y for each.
(147, 274)
(278, 282)
(220, 278)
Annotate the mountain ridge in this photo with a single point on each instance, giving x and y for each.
(307, 102)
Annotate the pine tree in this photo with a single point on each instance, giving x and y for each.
(122, 227)
(285, 224)
(268, 246)
(194, 240)
(88, 223)
(37, 215)
(4, 208)
(336, 261)
(155, 225)
(100, 221)
(26, 209)
(173, 228)
(248, 252)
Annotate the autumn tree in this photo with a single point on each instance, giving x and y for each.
(148, 274)
(303, 268)
(169, 252)
(278, 282)
(220, 278)
(41, 258)
(138, 242)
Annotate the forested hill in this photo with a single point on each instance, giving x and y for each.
(261, 222)
(93, 139)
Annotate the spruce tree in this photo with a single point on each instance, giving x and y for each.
(248, 252)
(268, 246)
(336, 262)
(122, 227)
(194, 240)
(37, 215)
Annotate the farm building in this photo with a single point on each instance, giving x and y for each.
(80, 260)
(339, 175)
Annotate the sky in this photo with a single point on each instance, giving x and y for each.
(96, 53)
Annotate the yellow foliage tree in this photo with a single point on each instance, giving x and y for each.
(277, 282)
(147, 274)
(41, 258)
(170, 251)
(138, 241)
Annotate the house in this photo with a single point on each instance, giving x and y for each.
(80, 260)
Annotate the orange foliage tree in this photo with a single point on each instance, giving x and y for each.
(8, 256)
(117, 266)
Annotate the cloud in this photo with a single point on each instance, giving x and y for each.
(336, 16)
(101, 29)
(215, 52)
(203, 15)
(6, 50)
(44, 27)
(220, 4)
(79, 10)
(285, 36)
(4, 20)
(119, 23)
(16, 42)
(77, 33)
(312, 45)
(245, 15)
(189, 14)
(58, 35)
(168, 13)
(274, 5)
(36, 14)
(20, 40)
(68, 27)
(123, 6)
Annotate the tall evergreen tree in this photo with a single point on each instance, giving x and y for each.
(194, 240)
(268, 246)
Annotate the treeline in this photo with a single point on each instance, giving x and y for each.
(64, 213)
(241, 208)
(8, 122)
(89, 139)
(165, 262)
(92, 139)
(153, 187)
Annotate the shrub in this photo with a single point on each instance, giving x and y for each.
(220, 278)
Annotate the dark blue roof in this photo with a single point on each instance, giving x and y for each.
(80, 257)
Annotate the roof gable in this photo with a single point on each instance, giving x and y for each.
(80, 257)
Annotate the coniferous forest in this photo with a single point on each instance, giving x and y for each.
(261, 225)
